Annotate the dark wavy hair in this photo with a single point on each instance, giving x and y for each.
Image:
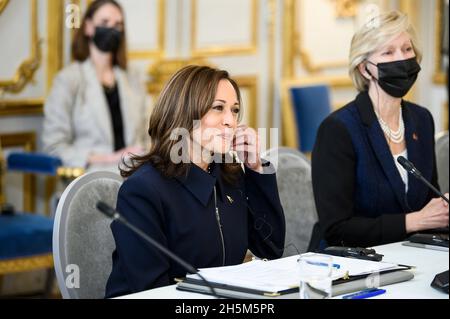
(186, 97)
(80, 43)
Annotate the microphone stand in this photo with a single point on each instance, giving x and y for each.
(113, 214)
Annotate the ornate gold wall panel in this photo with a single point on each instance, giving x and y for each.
(21, 107)
(250, 85)
(439, 76)
(161, 25)
(346, 8)
(27, 68)
(161, 71)
(217, 50)
(55, 25)
(293, 37)
(3, 4)
(26, 71)
(271, 62)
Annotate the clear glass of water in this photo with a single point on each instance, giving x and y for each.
(315, 276)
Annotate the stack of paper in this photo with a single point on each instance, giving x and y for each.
(282, 274)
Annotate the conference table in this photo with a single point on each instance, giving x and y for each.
(427, 263)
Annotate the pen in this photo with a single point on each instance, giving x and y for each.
(366, 293)
(316, 263)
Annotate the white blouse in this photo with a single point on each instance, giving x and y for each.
(401, 170)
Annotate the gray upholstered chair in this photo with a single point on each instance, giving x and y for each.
(82, 239)
(296, 195)
(442, 160)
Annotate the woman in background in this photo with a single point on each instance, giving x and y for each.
(96, 111)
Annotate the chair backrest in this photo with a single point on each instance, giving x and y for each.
(311, 106)
(82, 239)
(442, 160)
(296, 195)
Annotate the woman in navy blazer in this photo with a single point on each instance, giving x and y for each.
(363, 196)
(189, 193)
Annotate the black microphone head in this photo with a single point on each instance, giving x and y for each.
(106, 209)
(407, 165)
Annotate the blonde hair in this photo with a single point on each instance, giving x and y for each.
(372, 36)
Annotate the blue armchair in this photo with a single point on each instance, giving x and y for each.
(26, 237)
(311, 105)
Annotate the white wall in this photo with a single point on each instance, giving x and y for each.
(430, 94)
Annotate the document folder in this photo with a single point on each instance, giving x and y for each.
(340, 287)
(278, 278)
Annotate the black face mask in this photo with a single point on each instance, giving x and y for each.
(397, 77)
(107, 39)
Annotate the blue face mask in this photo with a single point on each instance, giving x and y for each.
(396, 78)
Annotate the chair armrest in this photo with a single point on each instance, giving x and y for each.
(37, 163)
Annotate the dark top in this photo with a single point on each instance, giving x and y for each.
(180, 213)
(359, 194)
(112, 97)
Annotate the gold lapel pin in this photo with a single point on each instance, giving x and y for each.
(230, 199)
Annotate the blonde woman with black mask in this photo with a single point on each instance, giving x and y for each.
(363, 196)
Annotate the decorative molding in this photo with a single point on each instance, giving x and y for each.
(347, 8)
(16, 265)
(27, 68)
(21, 107)
(250, 83)
(55, 42)
(289, 38)
(300, 51)
(74, 30)
(271, 64)
(159, 51)
(161, 70)
(251, 48)
(26, 140)
(439, 76)
(3, 4)
(289, 134)
(303, 53)
(333, 81)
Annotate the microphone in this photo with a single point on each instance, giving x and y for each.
(410, 168)
(440, 281)
(110, 212)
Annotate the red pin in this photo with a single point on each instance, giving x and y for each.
(415, 137)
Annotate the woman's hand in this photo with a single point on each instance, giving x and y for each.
(246, 144)
(433, 215)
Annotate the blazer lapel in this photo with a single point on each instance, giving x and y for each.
(381, 148)
(96, 100)
(412, 138)
(127, 101)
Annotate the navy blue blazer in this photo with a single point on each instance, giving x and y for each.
(180, 214)
(359, 194)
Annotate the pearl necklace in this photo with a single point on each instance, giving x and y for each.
(396, 137)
